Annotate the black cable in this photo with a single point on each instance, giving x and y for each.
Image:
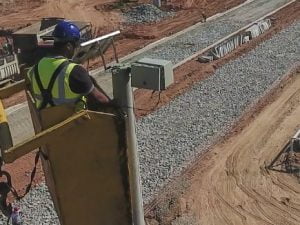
(159, 96)
(146, 110)
(32, 176)
(152, 93)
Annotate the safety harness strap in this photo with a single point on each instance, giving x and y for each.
(47, 93)
(6, 187)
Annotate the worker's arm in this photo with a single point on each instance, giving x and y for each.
(82, 83)
(98, 96)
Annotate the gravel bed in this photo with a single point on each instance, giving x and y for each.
(186, 45)
(174, 135)
(205, 34)
(146, 13)
(37, 208)
(170, 138)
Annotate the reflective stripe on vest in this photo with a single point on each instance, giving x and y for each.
(61, 92)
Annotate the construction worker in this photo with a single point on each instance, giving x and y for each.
(56, 80)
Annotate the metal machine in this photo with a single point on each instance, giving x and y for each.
(33, 42)
(25, 47)
(288, 160)
(9, 66)
(99, 183)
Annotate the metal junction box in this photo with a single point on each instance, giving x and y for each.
(154, 74)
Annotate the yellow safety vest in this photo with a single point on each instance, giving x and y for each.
(61, 92)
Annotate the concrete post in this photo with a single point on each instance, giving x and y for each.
(122, 92)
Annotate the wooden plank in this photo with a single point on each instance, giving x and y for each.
(42, 138)
(88, 170)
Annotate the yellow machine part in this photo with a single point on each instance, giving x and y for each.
(87, 172)
(86, 165)
(3, 118)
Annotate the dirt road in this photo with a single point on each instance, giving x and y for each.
(231, 184)
(238, 189)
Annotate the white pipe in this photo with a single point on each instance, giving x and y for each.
(100, 38)
(123, 94)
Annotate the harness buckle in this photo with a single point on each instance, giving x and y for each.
(47, 95)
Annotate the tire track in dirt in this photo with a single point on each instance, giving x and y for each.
(232, 164)
(241, 187)
(231, 184)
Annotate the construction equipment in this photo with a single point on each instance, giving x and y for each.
(99, 183)
(9, 66)
(33, 42)
(25, 47)
(288, 160)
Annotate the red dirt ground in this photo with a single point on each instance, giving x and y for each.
(185, 76)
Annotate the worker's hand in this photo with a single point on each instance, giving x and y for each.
(98, 96)
(113, 103)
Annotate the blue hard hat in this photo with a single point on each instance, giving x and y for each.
(66, 31)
